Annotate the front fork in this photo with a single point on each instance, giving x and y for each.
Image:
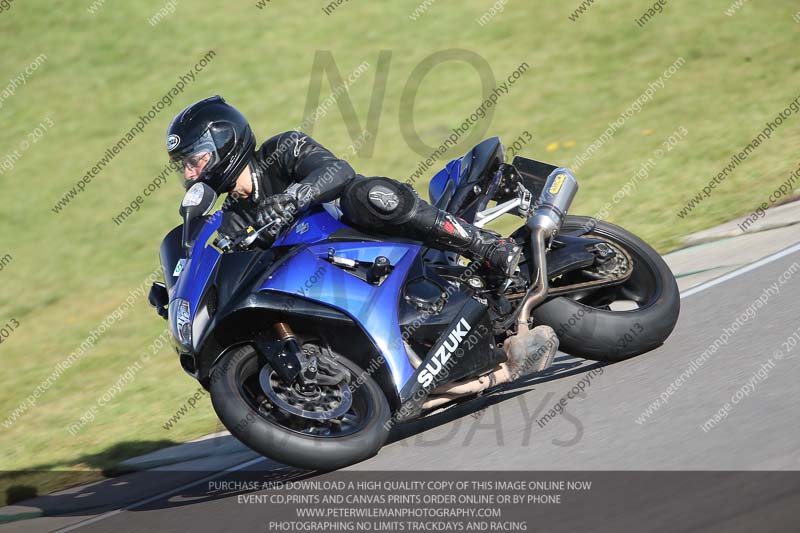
(283, 354)
(295, 362)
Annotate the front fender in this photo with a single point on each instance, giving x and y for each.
(308, 319)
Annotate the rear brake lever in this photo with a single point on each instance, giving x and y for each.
(525, 200)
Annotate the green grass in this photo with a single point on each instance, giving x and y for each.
(70, 270)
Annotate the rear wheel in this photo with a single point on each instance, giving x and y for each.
(323, 428)
(620, 321)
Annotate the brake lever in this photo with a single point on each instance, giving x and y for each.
(244, 240)
(253, 236)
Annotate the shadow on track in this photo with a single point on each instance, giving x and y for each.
(112, 487)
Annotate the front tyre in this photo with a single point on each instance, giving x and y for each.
(589, 326)
(242, 406)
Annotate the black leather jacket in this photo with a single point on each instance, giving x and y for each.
(291, 157)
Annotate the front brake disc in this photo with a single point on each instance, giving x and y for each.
(324, 402)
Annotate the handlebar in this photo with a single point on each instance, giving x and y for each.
(243, 241)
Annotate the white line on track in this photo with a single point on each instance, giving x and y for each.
(739, 271)
(242, 466)
(170, 492)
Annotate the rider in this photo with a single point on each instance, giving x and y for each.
(210, 141)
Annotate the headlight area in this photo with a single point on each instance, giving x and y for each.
(187, 329)
(180, 322)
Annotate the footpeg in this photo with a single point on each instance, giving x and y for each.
(531, 351)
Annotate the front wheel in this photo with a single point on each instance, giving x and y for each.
(324, 429)
(621, 321)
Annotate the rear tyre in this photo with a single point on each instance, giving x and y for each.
(247, 413)
(587, 326)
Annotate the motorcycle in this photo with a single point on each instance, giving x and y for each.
(315, 347)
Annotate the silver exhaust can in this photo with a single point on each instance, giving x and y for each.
(551, 208)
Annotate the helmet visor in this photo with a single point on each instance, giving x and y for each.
(195, 161)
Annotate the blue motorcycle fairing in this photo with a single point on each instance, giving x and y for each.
(202, 260)
(198, 267)
(317, 225)
(308, 275)
(451, 172)
(374, 308)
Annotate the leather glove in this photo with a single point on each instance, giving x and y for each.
(231, 227)
(290, 203)
(281, 206)
(232, 223)
(234, 229)
(286, 206)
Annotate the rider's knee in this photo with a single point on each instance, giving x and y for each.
(379, 201)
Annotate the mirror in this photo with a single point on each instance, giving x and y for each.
(159, 298)
(199, 200)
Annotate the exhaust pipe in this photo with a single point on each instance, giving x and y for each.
(450, 391)
(557, 195)
(551, 208)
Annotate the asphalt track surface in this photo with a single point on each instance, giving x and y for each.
(602, 429)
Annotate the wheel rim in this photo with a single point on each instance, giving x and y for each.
(641, 290)
(352, 420)
(319, 402)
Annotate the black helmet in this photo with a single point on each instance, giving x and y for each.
(214, 138)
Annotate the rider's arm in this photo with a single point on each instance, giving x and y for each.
(305, 162)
